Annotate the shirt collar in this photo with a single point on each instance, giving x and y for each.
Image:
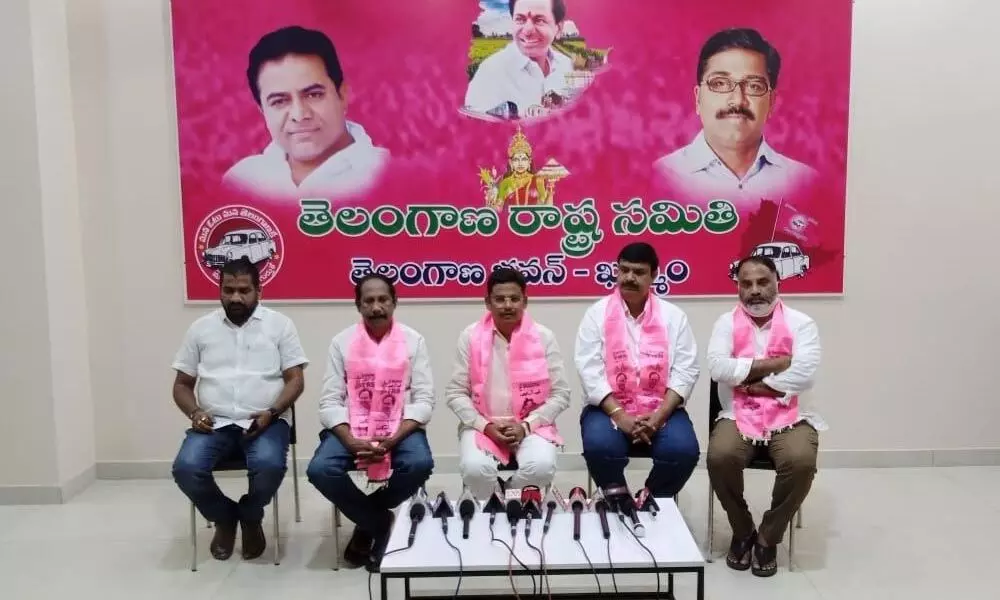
(701, 156)
(628, 313)
(522, 62)
(361, 147)
(258, 314)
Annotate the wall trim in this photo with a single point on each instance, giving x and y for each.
(30, 494)
(47, 494)
(828, 459)
(77, 484)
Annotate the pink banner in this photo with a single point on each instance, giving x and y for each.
(433, 140)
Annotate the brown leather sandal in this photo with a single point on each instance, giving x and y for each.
(765, 560)
(740, 549)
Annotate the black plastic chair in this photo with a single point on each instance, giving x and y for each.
(761, 461)
(238, 462)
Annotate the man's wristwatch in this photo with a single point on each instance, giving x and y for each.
(275, 413)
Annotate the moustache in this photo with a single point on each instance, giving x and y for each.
(236, 306)
(735, 110)
(376, 317)
(630, 286)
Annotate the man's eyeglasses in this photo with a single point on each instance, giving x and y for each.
(752, 86)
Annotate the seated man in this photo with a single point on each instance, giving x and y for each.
(763, 355)
(378, 394)
(238, 370)
(638, 362)
(507, 389)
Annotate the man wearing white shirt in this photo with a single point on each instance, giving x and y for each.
(344, 444)
(637, 360)
(507, 388)
(239, 370)
(734, 95)
(528, 72)
(764, 356)
(297, 82)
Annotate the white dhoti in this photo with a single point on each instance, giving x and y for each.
(536, 460)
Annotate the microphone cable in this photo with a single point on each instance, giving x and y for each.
(370, 573)
(541, 563)
(592, 569)
(461, 567)
(656, 567)
(545, 570)
(611, 566)
(510, 565)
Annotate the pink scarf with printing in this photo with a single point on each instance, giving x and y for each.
(758, 418)
(639, 389)
(528, 370)
(376, 382)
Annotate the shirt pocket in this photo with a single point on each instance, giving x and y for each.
(262, 355)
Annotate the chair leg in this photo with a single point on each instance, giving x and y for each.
(336, 538)
(710, 534)
(277, 540)
(798, 519)
(791, 547)
(194, 540)
(295, 484)
(590, 485)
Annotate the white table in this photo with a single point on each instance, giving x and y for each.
(667, 537)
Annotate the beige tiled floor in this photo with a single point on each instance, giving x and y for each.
(879, 534)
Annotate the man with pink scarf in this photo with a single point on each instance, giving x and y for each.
(638, 362)
(507, 389)
(378, 394)
(763, 355)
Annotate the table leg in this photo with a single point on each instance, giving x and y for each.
(701, 584)
(385, 587)
(670, 586)
(406, 588)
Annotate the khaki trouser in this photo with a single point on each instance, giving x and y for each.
(794, 455)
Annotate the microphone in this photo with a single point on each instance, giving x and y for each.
(622, 503)
(551, 503)
(645, 501)
(531, 499)
(601, 506)
(577, 502)
(466, 508)
(442, 509)
(417, 511)
(494, 505)
(513, 515)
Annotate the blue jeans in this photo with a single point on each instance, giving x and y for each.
(328, 471)
(266, 465)
(606, 449)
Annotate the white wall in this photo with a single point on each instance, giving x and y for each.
(906, 349)
(26, 432)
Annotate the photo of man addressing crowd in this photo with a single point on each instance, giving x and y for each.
(527, 60)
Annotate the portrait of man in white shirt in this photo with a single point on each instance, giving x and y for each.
(734, 96)
(528, 78)
(297, 82)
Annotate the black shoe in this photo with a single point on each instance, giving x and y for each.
(359, 549)
(224, 540)
(379, 545)
(253, 541)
